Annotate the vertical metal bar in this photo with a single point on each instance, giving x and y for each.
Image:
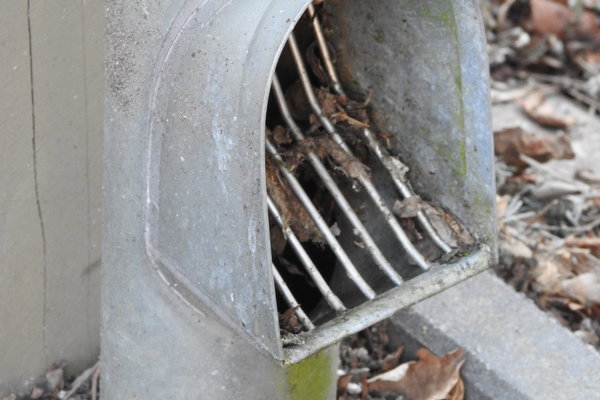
(310, 267)
(336, 193)
(364, 181)
(337, 86)
(351, 271)
(291, 300)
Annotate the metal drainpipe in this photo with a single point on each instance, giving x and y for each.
(188, 297)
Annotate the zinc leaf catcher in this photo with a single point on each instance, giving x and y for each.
(190, 282)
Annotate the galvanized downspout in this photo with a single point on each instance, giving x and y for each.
(188, 297)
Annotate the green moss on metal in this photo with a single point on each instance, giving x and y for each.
(462, 154)
(458, 157)
(445, 18)
(312, 378)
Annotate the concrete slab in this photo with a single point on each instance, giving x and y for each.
(515, 350)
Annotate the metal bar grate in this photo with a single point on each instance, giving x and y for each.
(394, 168)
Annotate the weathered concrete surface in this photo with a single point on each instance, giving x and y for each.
(514, 350)
(51, 81)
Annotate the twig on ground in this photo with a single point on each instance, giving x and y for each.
(81, 379)
(95, 378)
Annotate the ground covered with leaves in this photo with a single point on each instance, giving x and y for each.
(372, 369)
(545, 67)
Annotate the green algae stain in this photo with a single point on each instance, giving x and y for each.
(312, 378)
(447, 18)
(455, 152)
(444, 17)
(462, 153)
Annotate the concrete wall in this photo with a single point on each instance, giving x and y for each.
(51, 96)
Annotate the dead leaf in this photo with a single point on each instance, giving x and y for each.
(510, 143)
(288, 321)
(501, 205)
(458, 391)
(591, 243)
(292, 212)
(515, 247)
(278, 239)
(551, 17)
(547, 276)
(391, 360)
(430, 378)
(328, 102)
(281, 135)
(55, 379)
(343, 117)
(538, 109)
(437, 220)
(584, 288)
(459, 235)
(365, 388)
(592, 57)
(342, 385)
(349, 164)
(407, 208)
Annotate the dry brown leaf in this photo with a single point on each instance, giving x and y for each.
(342, 385)
(328, 101)
(430, 378)
(501, 205)
(462, 235)
(536, 107)
(365, 388)
(288, 321)
(407, 208)
(438, 221)
(516, 247)
(557, 267)
(510, 143)
(584, 288)
(591, 243)
(278, 239)
(281, 135)
(292, 212)
(594, 311)
(343, 117)
(548, 274)
(458, 391)
(350, 165)
(592, 57)
(551, 17)
(391, 360)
